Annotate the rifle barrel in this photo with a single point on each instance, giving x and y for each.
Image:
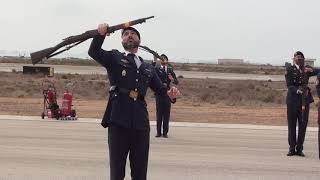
(48, 52)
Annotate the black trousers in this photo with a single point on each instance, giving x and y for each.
(294, 115)
(163, 107)
(123, 141)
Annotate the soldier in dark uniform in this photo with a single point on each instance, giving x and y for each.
(298, 102)
(163, 103)
(126, 115)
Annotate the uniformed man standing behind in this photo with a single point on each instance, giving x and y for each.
(126, 115)
(163, 103)
(298, 102)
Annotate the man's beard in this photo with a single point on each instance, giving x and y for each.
(130, 45)
(163, 63)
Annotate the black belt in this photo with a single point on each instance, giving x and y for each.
(134, 94)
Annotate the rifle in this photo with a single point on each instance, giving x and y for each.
(145, 48)
(73, 41)
(305, 89)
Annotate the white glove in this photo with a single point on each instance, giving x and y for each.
(174, 92)
(299, 91)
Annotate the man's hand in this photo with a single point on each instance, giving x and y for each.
(173, 92)
(102, 29)
(299, 91)
(306, 69)
(170, 77)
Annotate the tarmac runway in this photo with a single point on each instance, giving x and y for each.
(35, 149)
(64, 69)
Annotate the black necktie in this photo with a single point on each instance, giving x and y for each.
(163, 69)
(131, 59)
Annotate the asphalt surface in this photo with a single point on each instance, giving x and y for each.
(35, 149)
(64, 69)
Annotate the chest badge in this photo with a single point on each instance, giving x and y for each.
(124, 73)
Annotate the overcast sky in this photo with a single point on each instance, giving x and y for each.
(260, 31)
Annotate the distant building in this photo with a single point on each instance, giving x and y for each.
(309, 62)
(230, 61)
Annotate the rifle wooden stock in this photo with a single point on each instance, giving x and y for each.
(77, 39)
(42, 54)
(305, 89)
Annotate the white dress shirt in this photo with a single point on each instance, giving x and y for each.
(136, 59)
